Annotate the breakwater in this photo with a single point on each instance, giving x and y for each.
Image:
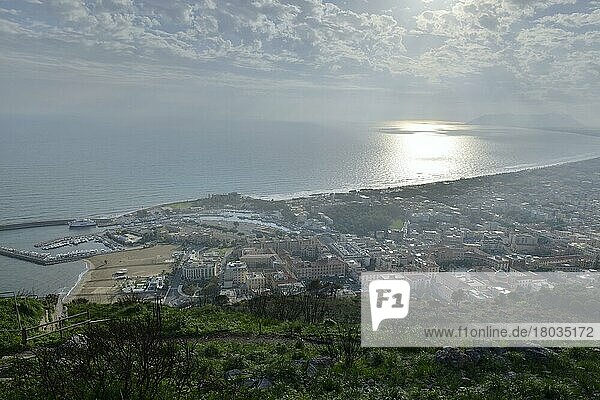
(33, 224)
(100, 222)
(49, 259)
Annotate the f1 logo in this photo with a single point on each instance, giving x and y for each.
(389, 299)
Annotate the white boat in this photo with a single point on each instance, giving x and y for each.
(82, 223)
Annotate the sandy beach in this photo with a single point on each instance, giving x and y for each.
(98, 285)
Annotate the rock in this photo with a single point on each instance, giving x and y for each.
(233, 374)
(240, 378)
(311, 370)
(264, 383)
(322, 361)
(316, 363)
(248, 383)
(455, 357)
(538, 353)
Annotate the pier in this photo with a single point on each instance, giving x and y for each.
(33, 257)
(34, 224)
(100, 222)
(50, 259)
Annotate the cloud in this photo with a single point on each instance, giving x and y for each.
(573, 20)
(559, 60)
(262, 34)
(545, 54)
(543, 50)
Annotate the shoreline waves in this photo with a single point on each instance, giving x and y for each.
(76, 288)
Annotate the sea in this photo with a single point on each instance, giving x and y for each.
(57, 169)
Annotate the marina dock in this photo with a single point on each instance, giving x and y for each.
(47, 258)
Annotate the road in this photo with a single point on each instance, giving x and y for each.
(173, 292)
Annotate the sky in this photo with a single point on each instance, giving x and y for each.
(305, 60)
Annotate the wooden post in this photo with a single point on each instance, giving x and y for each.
(17, 309)
(23, 336)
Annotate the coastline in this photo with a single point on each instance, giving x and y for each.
(299, 195)
(83, 276)
(522, 168)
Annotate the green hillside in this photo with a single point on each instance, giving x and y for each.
(150, 352)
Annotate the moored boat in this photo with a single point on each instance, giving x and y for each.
(82, 223)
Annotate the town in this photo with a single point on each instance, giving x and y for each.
(229, 248)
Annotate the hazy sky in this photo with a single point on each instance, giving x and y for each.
(300, 60)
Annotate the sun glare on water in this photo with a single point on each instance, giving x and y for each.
(421, 126)
(424, 148)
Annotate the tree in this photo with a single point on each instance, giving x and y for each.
(221, 300)
(458, 296)
(314, 286)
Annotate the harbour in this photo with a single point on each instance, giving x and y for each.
(50, 259)
(97, 242)
(74, 241)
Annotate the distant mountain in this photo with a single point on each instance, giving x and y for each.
(540, 121)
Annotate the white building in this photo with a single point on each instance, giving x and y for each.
(235, 273)
(256, 281)
(258, 258)
(324, 267)
(201, 267)
(199, 271)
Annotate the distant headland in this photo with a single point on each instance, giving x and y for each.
(553, 122)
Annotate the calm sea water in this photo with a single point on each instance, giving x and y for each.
(20, 275)
(75, 170)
